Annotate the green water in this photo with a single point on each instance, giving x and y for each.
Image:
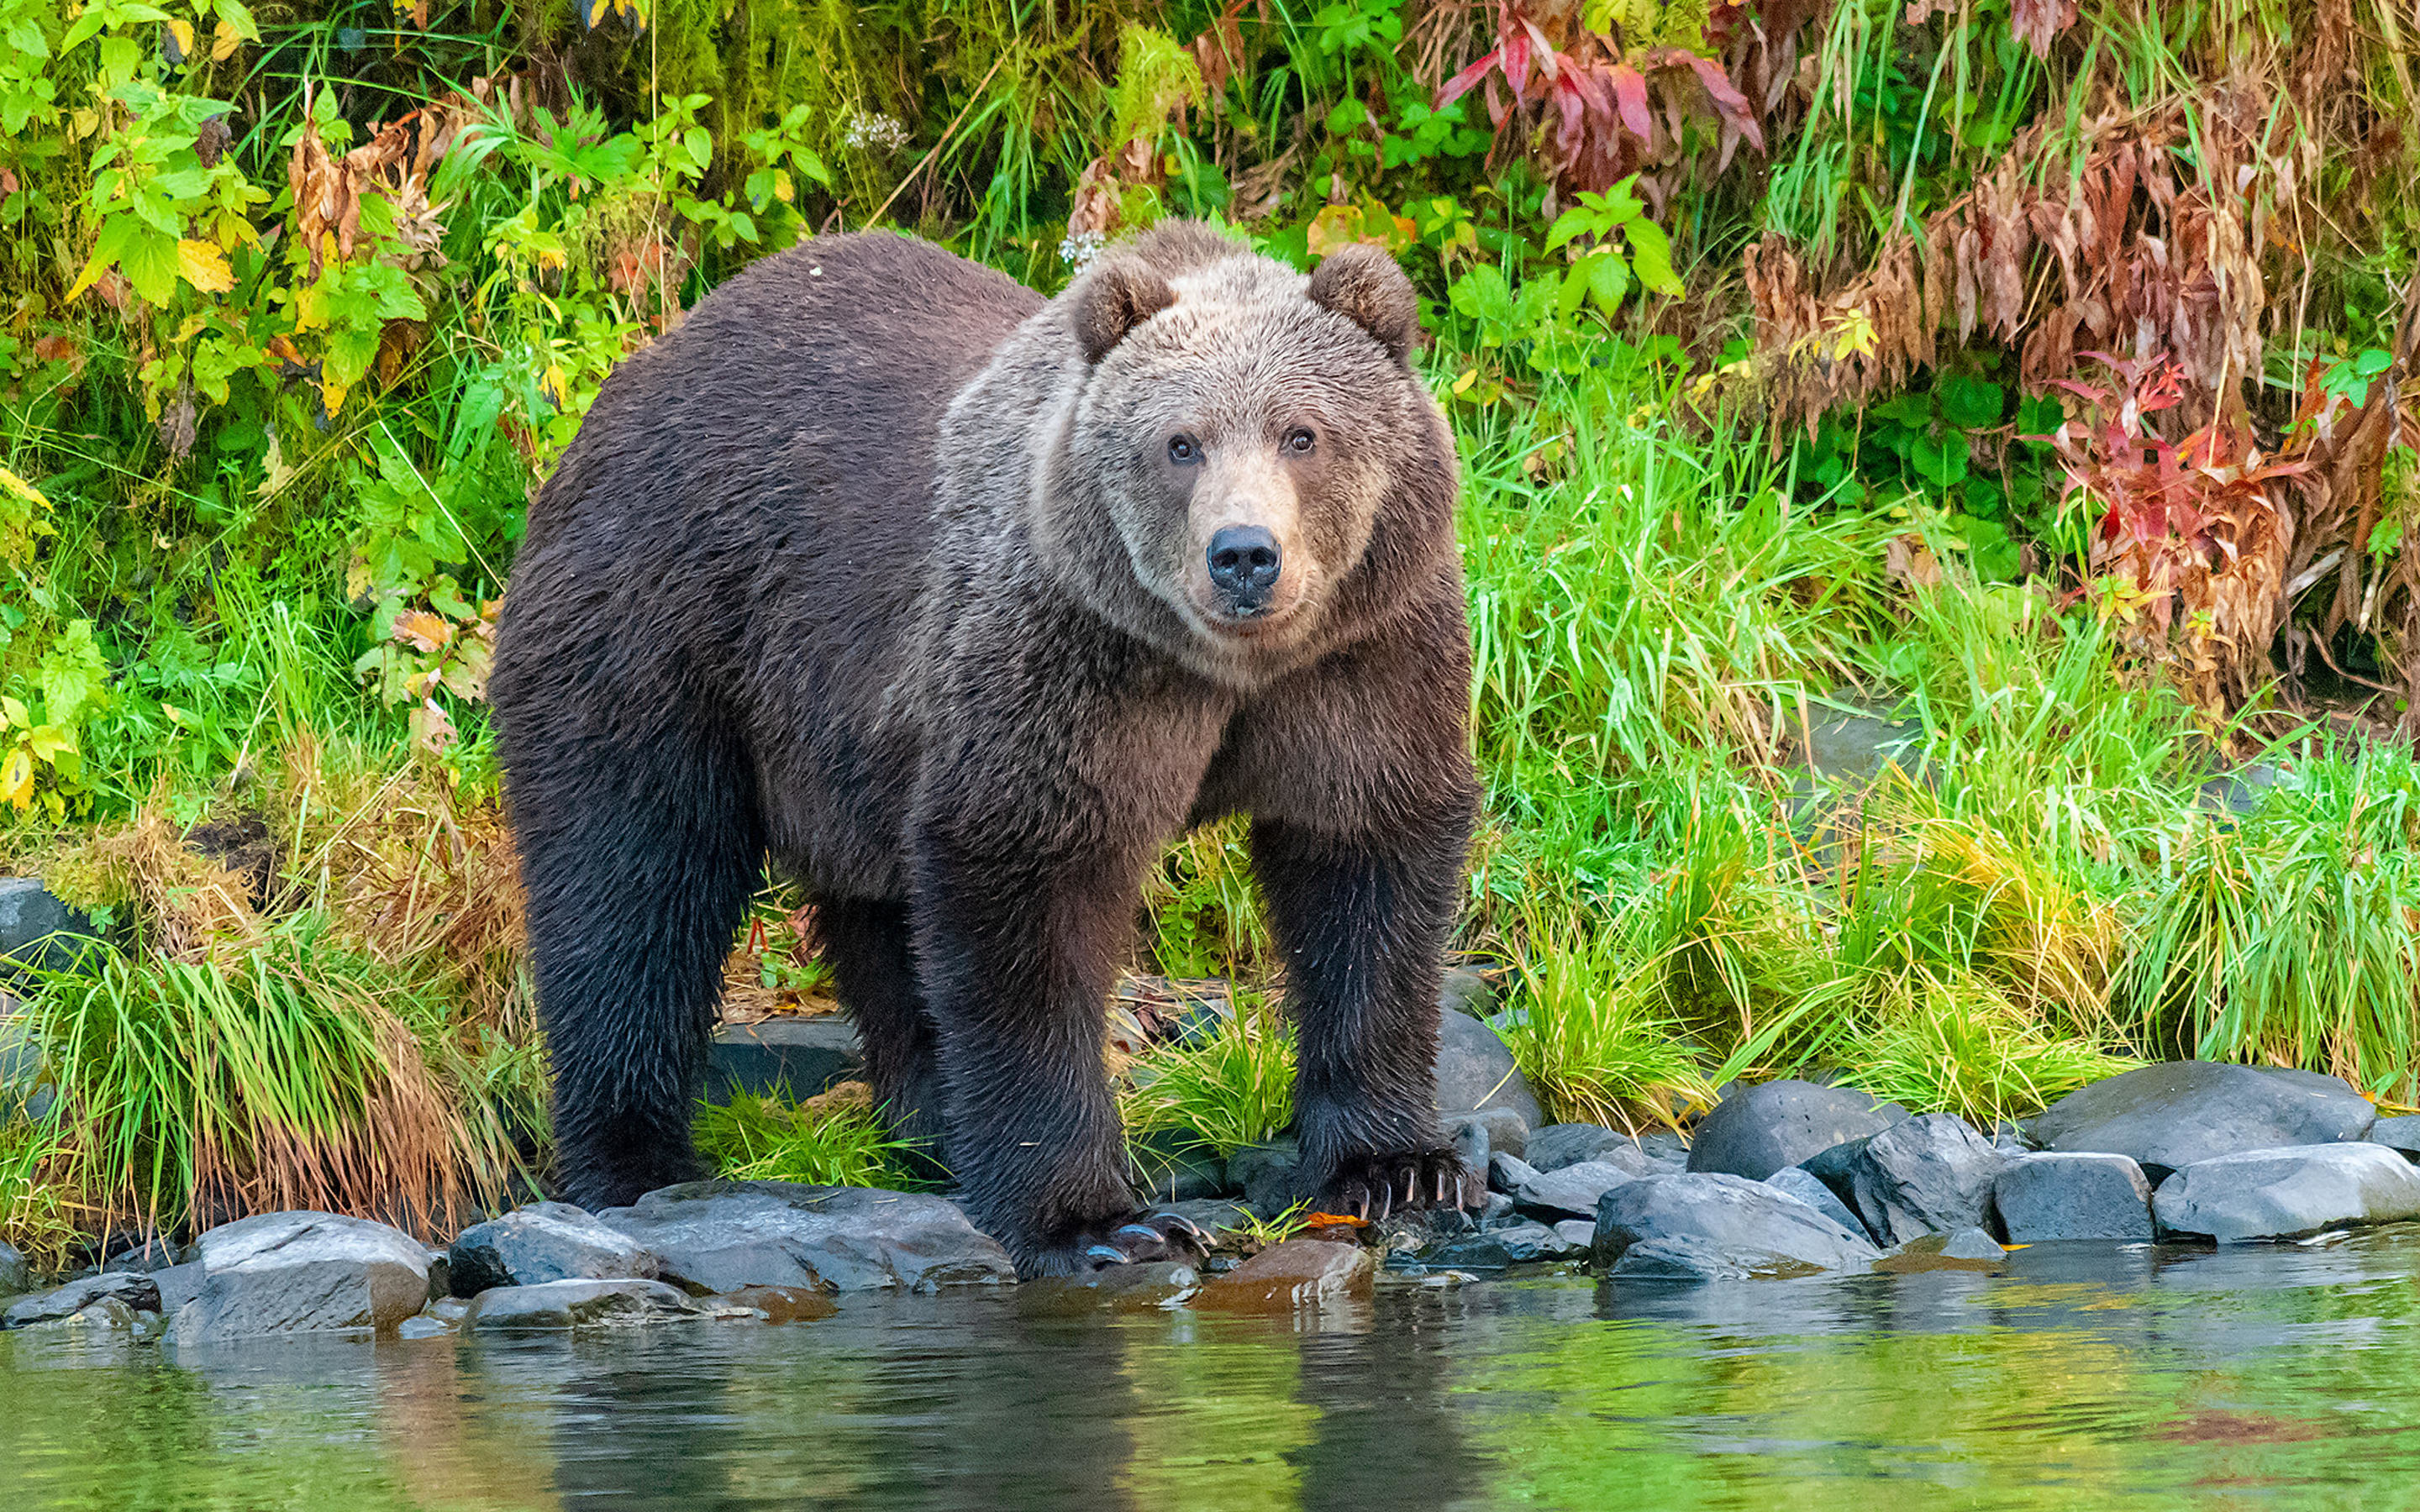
(2285, 1378)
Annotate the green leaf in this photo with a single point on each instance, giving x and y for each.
(1650, 257)
(149, 263)
(1573, 290)
(1940, 463)
(1572, 222)
(1608, 280)
(1969, 403)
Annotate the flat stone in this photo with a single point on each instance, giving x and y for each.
(790, 1056)
(543, 1241)
(1492, 1249)
(2289, 1192)
(1509, 1173)
(1757, 1131)
(721, 1235)
(1475, 1070)
(1967, 1249)
(15, 1274)
(282, 1273)
(784, 1304)
(2058, 1195)
(1300, 1273)
(136, 1293)
(1579, 1233)
(2401, 1134)
(586, 1303)
(1929, 1175)
(1148, 1287)
(1689, 1261)
(1725, 1212)
(1798, 1182)
(1569, 1193)
(2181, 1112)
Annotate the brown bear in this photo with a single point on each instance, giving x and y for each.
(959, 605)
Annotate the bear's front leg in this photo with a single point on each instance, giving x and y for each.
(1361, 918)
(1017, 940)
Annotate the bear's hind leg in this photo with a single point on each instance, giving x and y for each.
(865, 943)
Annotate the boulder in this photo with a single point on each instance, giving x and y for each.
(1300, 1273)
(793, 1056)
(15, 1274)
(179, 1285)
(1268, 1176)
(543, 1241)
(1509, 1173)
(1465, 991)
(1474, 1070)
(1520, 1243)
(1569, 1193)
(1757, 1131)
(1558, 1145)
(135, 1294)
(282, 1273)
(1693, 1260)
(2289, 1192)
(1579, 1233)
(1929, 1175)
(1726, 1212)
(1505, 1129)
(584, 1304)
(2059, 1194)
(1797, 1183)
(721, 1235)
(2178, 1114)
(2401, 1134)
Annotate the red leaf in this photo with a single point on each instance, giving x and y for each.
(1464, 82)
(1630, 94)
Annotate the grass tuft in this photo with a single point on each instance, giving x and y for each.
(824, 1141)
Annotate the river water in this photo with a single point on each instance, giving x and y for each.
(2078, 1377)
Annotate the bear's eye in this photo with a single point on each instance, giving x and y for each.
(1299, 441)
(1184, 451)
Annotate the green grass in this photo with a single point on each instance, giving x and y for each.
(1228, 1088)
(774, 1139)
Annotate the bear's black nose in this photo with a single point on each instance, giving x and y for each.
(1244, 563)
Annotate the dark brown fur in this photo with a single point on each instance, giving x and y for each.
(786, 595)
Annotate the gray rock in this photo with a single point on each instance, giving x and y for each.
(1965, 1249)
(135, 1294)
(2007, 1135)
(1795, 1180)
(1269, 1176)
(1507, 1173)
(1758, 1130)
(1727, 1212)
(726, 1235)
(1929, 1175)
(15, 1274)
(1505, 1128)
(2401, 1134)
(153, 1254)
(422, 1327)
(1523, 1244)
(2284, 1194)
(1558, 1145)
(1475, 1070)
(179, 1285)
(1688, 1261)
(794, 1056)
(284, 1273)
(1422, 1229)
(2171, 1115)
(1213, 1215)
(543, 1241)
(37, 928)
(22, 1092)
(1465, 991)
(1579, 1233)
(1175, 1171)
(1496, 1209)
(587, 1304)
(1468, 1134)
(2062, 1194)
(1973, 1245)
(1569, 1193)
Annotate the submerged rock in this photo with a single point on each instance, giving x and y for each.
(1571, 1191)
(1144, 1287)
(1474, 1070)
(1758, 1130)
(2070, 1194)
(1300, 1273)
(1725, 1212)
(1692, 1260)
(1927, 1175)
(1520, 1243)
(1967, 1249)
(2285, 1194)
(1798, 1182)
(2178, 1114)
(586, 1303)
(135, 1293)
(719, 1236)
(543, 1241)
(284, 1273)
(784, 1304)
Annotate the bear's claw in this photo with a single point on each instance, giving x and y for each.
(1367, 1187)
(1154, 1236)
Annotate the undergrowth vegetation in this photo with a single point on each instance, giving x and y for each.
(1937, 490)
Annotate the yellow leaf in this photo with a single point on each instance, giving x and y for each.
(204, 266)
(176, 714)
(17, 777)
(1470, 377)
(183, 31)
(332, 395)
(224, 41)
(10, 482)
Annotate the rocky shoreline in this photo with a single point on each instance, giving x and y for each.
(1788, 1179)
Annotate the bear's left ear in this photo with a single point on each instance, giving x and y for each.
(1363, 285)
(1123, 294)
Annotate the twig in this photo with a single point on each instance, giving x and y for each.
(929, 157)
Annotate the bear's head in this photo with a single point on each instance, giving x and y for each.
(1269, 462)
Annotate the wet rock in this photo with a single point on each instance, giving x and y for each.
(1146, 1288)
(1422, 1229)
(1757, 1131)
(1509, 1173)
(1799, 1183)
(2285, 1194)
(784, 1304)
(2171, 1115)
(1215, 1216)
(543, 1241)
(447, 1309)
(2055, 1195)
(1929, 1175)
(135, 1294)
(179, 1285)
(1569, 1193)
(799, 1057)
(1688, 1261)
(1475, 1070)
(422, 1327)
(554, 1304)
(719, 1236)
(1298, 1273)
(1520, 1243)
(1967, 1249)
(1725, 1212)
(1579, 1233)
(15, 1274)
(284, 1273)
(2401, 1134)
(1269, 1176)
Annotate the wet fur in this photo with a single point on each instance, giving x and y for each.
(844, 570)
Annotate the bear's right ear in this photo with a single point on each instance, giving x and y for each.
(1122, 295)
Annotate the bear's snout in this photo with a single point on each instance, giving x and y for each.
(1245, 563)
